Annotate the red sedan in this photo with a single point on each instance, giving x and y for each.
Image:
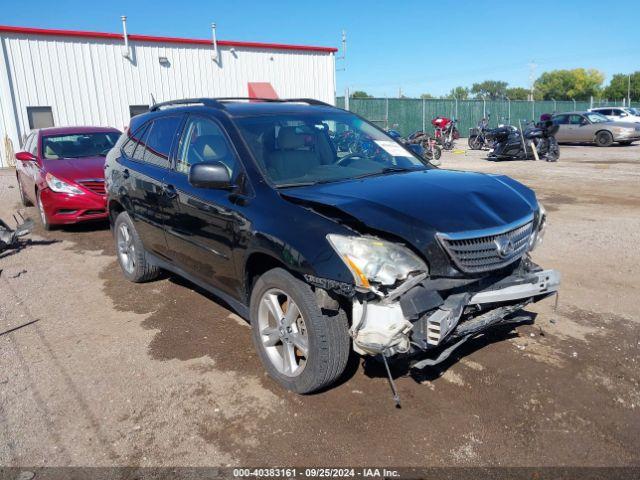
(61, 171)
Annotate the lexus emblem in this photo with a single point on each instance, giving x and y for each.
(504, 247)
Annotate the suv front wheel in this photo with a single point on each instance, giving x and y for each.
(300, 347)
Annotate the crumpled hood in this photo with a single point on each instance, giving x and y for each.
(416, 205)
(76, 168)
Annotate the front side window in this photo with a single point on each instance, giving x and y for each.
(204, 141)
(155, 146)
(78, 145)
(309, 147)
(576, 119)
(561, 119)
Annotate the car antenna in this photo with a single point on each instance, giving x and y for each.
(153, 100)
(394, 390)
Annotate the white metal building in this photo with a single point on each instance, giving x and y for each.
(61, 77)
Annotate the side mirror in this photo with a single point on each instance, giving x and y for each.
(25, 157)
(210, 175)
(624, 114)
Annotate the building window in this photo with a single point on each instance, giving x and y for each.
(40, 117)
(137, 110)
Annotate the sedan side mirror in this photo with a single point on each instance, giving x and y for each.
(25, 157)
(210, 175)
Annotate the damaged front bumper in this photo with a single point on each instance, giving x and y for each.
(440, 315)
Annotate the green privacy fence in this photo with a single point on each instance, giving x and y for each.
(410, 114)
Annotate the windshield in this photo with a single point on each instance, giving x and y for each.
(595, 117)
(308, 148)
(95, 144)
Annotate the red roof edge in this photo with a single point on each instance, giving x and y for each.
(149, 38)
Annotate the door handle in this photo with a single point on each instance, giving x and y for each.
(125, 173)
(170, 191)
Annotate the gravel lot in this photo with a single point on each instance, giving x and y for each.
(160, 374)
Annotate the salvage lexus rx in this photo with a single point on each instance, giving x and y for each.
(324, 251)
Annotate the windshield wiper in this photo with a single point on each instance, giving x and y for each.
(386, 170)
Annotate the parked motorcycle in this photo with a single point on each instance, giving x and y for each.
(432, 150)
(445, 131)
(421, 144)
(480, 136)
(518, 144)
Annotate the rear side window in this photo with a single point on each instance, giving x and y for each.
(155, 146)
(133, 138)
(561, 120)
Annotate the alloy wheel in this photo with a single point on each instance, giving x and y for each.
(283, 332)
(126, 248)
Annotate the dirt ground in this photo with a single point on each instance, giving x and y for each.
(159, 374)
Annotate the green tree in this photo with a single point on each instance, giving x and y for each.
(517, 93)
(427, 96)
(579, 84)
(490, 89)
(360, 94)
(461, 93)
(617, 87)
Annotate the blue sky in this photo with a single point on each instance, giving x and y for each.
(419, 46)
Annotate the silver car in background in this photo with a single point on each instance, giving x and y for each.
(593, 127)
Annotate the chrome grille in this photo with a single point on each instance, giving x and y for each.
(482, 251)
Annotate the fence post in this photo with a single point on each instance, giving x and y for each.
(574, 103)
(386, 113)
(424, 125)
(346, 98)
(456, 105)
(508, 110)
(555, 107)
(484, 107)
(533, 109)
(591, 102)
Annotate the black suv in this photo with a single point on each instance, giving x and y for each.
(323, 248)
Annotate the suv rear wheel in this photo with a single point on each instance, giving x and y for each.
(300, 347)
(131, 254)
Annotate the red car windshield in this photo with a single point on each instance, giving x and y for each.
(78, 145)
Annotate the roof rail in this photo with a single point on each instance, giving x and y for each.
(207, 102)
(219, 102)
(310, 101)
(255, 99)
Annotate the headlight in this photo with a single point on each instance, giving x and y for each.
(61, 186)
(538, 235)
(377, 261)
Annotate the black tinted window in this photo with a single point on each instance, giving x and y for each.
(155, 147)
(133, 138)
(561, 120)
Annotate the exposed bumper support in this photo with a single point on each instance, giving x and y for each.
(548, 281)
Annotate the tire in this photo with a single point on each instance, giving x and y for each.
(437, 153)
(604, 138)
(327, 337)
(130, 252)
(23, 198)
(475, 143)
(448, 145)
(42, 214)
